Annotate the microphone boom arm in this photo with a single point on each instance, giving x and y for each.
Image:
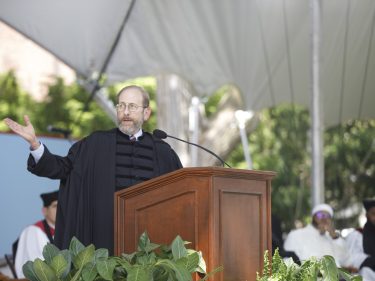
(205, 149)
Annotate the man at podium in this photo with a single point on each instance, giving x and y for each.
(97, 166)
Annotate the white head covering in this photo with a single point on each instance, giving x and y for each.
(322, 207)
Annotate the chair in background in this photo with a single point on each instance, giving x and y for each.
(11, 258)
(10, 261)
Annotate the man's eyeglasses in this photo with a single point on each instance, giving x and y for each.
(322, 215)
(132, 107)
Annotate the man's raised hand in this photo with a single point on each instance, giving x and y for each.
(27, 132)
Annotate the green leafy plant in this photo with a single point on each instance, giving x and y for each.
(150, 262)
(310, 270)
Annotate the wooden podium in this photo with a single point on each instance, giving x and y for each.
(225, 213)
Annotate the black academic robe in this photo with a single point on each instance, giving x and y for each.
(86, 197)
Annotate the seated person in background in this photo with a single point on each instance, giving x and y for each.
(361, 244)
(34, 237)
(277, 240)
(318, 238)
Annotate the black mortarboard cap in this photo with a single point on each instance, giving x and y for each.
(368, 204)
(49, 197)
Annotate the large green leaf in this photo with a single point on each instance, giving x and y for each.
(43, 271)
(139, 273)
(143, 241)
(145, 245)
(183, 262)
(105, 268)
(329, 269)
(101, 253)
(59, 265)
(190, 262)
(84, 256)
(178, 248)
(75, 246)
(68, 257)
(89, 272)
(29, 272)
(49, 252)
(202, 268)
(181, 273)
(193, 262)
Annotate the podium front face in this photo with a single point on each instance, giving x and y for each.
(225, 213)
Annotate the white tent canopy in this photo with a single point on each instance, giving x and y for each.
(262, 47)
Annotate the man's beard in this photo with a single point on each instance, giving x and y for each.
(129, 129)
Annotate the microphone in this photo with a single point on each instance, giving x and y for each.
(53, 129)
(163, 135)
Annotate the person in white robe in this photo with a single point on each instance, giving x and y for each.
(34, 237)
(361, 243)
(319, 238)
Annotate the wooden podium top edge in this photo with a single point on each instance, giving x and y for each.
(211, 171)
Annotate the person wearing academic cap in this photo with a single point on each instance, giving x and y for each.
(319, 238)
(361, 244)
(34, 237)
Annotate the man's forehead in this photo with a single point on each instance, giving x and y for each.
(131, 93)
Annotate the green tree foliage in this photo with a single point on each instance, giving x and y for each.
(281, 143)
(65, 107)
(349, 165)
(14, 101)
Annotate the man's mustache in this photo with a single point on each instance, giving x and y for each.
(127, 119)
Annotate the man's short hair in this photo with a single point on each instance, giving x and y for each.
(145, 95)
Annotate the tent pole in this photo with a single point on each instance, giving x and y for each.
(194, 130)
(245, 146)
(316, 110)
(242, 117)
